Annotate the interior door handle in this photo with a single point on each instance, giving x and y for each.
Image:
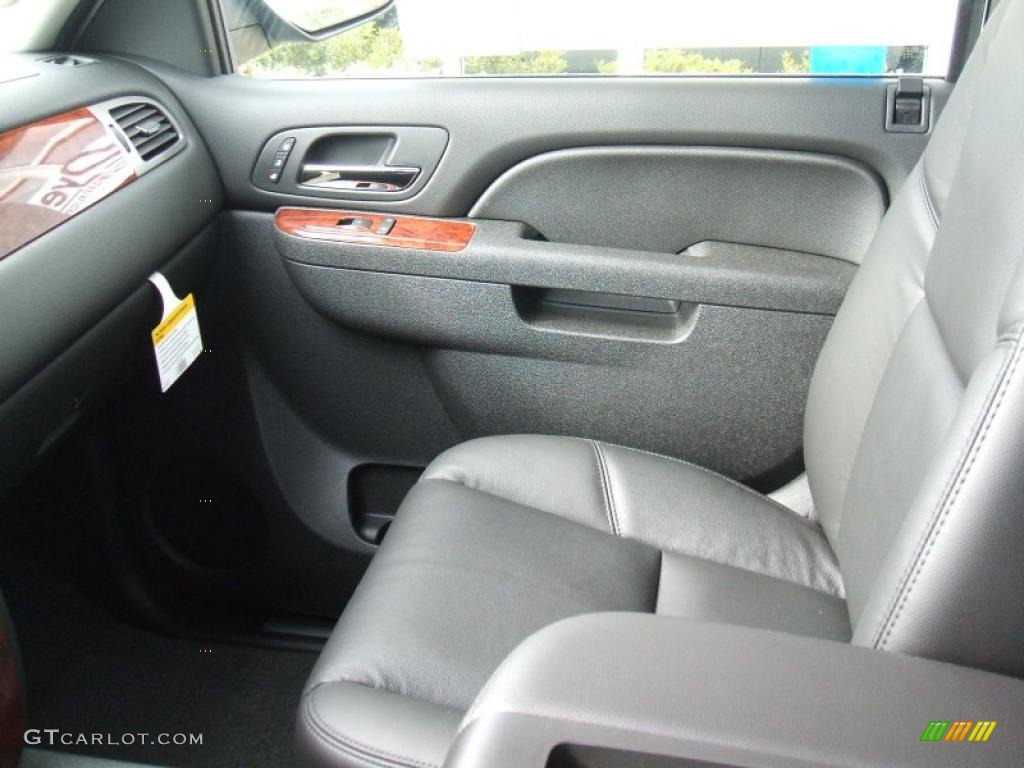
(366, 178)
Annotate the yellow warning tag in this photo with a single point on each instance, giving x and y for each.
(177, 341)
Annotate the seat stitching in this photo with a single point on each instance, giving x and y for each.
(720, 476)
(660, 547)
(606, 488)
(931, 535)
(1012, 332)
(961, 458)
(746, 569)
(745, 489)
(328, 736)
(507, 497)
(786, 510)
(362, 757)
(382, 686)
(946, 490)
(929, 205)
(463, 481)
(347, 743)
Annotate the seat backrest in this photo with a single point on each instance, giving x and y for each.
(914, 433)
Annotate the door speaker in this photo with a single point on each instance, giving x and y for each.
(205, 518)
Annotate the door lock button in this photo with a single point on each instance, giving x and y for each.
(280, 159)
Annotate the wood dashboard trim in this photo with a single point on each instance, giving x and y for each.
(414, 232)
(52, 170)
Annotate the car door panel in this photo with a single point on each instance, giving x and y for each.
(666, 199)
(506, 252)
(496, 123)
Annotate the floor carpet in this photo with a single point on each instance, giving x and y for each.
(88, 672)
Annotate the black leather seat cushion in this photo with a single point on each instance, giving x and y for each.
(504, 536)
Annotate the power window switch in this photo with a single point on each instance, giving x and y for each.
(274, 176)
(385, 226)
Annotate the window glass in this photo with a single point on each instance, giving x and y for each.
(641, 37)
(313, 15)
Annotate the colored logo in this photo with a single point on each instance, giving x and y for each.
(958, 730)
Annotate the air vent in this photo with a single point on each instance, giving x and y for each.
(147, 127)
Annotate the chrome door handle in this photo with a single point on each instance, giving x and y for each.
(360, 178)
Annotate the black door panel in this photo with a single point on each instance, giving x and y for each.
(495, 123)
(721, 386)
(666, 199)
(504, 252)
(708, 381)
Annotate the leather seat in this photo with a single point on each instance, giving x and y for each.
(914, 445)
(504, 536)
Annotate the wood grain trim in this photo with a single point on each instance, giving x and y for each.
(416, 232)
(52, 170)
